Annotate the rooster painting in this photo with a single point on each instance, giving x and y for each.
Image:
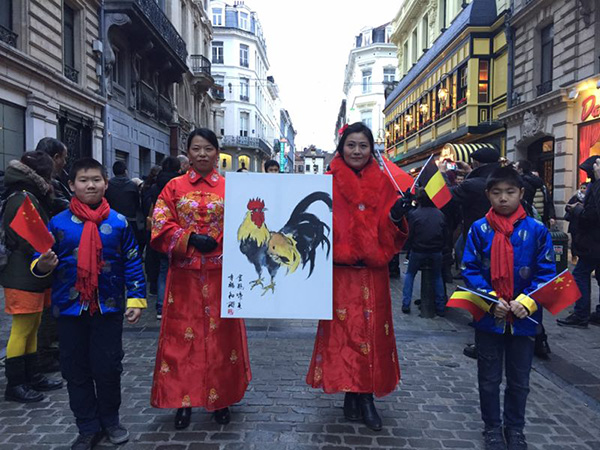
(293, 245)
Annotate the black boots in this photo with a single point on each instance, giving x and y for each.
(222, 416)
(182, 418)
(369, 413)
(35, 378)
(17, 389)
(351, 406)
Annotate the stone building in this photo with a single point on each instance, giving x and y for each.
(50, 79)
(453, 61)
(553, 119)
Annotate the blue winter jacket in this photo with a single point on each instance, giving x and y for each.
(122, 265)
(533, 266)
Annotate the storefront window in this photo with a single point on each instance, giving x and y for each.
(589, 144)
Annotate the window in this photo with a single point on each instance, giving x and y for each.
(244, 21)
(244, 119)
(217, 52)
(414, 46)
(366, 81)
(484, 81)
(243, 55)
(405, 57)
(442, 9)
(547, 60)
(462, 83)
(425, 31)
(69, 44)
(217, 17)
(366, 117)
(245, 89)
(118, 71)
(184, 21)
(389, 75)
(7, 33)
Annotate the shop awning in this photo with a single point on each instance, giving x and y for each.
(462, 152)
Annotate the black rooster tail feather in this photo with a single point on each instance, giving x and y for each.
(306, 202)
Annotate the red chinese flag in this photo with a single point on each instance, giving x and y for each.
(558, 294)
(28, 224)
(402, 179)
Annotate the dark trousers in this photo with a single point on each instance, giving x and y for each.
(415, 262)
(47, 338)
(91, 351)
(583, 274)
(492, 350)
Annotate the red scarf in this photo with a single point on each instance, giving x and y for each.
(502, 258)
(89, 255)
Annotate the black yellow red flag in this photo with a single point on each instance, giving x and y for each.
(434, 183)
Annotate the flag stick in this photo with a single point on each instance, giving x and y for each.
(419, 176)
(547, 282)
(384, 166)
(491, 299)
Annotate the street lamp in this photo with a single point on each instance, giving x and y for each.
(408, 118)
(443, 95)
(423, 108)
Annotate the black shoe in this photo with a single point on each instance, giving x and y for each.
(573, 321)
(182, 418)
(515, 439)
(470, 351)
(117, 434)
(351, 406)
(369, 413)
(22, 393)
(222, 416)
(42, 383)
(494, 439)
(541, 348)
(595, 318)
(441, 312)
(406, 309)
(86, 441)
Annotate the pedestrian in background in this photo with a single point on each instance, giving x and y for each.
(151, 256)
(25, 295)
(356, 352)
(508, 254)
(428, 232)
(202, 359)
(271, 166)
(97, 260)
(123, 196)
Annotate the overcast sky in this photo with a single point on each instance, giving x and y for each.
(308, 43)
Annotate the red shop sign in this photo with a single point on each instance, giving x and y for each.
(589, 108)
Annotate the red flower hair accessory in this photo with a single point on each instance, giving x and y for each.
(341, 130)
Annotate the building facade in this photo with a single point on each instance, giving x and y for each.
(372, 65)
(553, 118)
(312, 161)
(248, 121)
(453, 60)
(50, 78)
(287, 143)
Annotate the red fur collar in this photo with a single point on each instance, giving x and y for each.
(358, 187)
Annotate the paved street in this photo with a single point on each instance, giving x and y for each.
(436, 405)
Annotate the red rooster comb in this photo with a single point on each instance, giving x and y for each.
(256, 203)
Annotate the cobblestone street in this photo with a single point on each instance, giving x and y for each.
(436, 405)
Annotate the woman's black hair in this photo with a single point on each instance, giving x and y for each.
(357, 127)
(504, 175)
(206, 134)
(51, 146)
(40, 162)
(171, 164)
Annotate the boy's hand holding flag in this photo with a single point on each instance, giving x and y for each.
(28, 224)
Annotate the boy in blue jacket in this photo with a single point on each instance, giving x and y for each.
(509, 255)
(95, 259)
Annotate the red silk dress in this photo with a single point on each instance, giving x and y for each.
(202, 360)
(356, 350)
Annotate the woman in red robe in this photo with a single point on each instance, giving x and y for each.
(356, 352)
(202, 360)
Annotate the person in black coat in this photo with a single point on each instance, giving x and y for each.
(587, 245)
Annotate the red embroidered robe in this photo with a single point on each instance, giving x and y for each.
(202, 360)
(356, 351)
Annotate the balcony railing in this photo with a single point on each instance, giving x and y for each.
(246, 142)
(218, 92)
(166, 29)
(200, 65)
(244, 98)
(544, 88)
(8, 36)
(71, 73)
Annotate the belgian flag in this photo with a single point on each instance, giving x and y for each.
(473, 303)
(434, 183)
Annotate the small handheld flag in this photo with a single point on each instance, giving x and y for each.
(558, 293)
(434, 183)
(28, 224)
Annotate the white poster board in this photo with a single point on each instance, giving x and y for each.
(277, 246)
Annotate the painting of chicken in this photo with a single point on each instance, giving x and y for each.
(294, 245)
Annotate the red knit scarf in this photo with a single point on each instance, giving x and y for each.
(89, 255)
(502, 258)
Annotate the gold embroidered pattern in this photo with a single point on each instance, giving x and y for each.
(365, 292)
(170, 299)
(189, 334)
(213, 324)
(365, 348)
(393, 357)
(164, 368)
(387, 329)
(341, 313)
(212, 396)
(234, 357)
(186, 402)
(318, 374)
(205, 291)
